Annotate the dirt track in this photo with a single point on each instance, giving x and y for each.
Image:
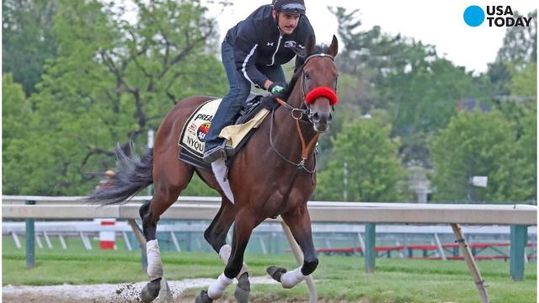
(102, 293)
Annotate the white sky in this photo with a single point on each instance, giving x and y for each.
(439, 23)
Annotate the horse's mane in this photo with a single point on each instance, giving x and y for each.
(318, 49)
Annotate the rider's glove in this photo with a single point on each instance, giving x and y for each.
(276, 88)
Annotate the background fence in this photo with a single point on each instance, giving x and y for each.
(487, 226)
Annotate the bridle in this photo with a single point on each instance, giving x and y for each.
(301, 114)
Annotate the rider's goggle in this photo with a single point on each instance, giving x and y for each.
(293, 8)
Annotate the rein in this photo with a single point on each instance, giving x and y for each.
(305, 148)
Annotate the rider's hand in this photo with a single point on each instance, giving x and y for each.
(276, 88)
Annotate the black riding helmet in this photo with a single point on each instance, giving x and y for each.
(289, 6)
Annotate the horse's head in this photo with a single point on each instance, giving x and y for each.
(318, 80)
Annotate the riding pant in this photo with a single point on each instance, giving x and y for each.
(239, 90)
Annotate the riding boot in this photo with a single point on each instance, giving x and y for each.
(226, 114)
(214, 150)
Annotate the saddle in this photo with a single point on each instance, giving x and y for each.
(197, 126)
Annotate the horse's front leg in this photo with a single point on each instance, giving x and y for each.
(299, 222)
(245, 223)
(216, 237)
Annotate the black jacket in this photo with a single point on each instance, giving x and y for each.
(257, 42)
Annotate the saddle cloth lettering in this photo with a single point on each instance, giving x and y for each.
(192, 137)
(196, 128)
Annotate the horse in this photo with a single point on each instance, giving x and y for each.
(272, 175)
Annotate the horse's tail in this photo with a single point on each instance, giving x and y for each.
(133, 174)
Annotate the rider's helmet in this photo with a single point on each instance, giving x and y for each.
(289, 6)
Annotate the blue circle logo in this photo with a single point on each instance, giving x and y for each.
(474, 15)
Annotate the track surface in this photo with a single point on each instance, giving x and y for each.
(104, 293)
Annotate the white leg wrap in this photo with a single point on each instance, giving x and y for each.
(292, 278)
(224, 254)
(155, 267)
(217, 287)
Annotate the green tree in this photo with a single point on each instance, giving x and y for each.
(16, 110)
(523, 84)
(519, 49)
(520, 43)
(407, 79)
(374, 172)
(476, 144)
(526, 158)
(15, 118)
(27, 39)
(111, 82)
(423, 99)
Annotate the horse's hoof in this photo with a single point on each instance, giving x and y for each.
(243, 289)
(203, 297)
(275, 272)
(150, 291)
(165, 296)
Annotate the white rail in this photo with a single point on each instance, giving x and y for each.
(321, 211)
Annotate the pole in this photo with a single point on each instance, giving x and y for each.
(345, 182)
(150, 145)
(30, 240)
(472, 266)
(141, 241)
(517, 251)
(370, 243)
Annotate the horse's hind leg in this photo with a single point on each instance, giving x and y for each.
(299, 222)
(216, 234)
(245, 223)
(168, 184)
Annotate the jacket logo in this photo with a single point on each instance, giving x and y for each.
(270, 44)
(290, 44)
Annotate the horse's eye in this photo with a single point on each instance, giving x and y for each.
(307, 76)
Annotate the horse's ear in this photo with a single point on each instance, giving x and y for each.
(310, 44)
(334, 47)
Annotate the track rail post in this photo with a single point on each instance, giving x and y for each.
(472, 266)
(30, 239)
(370, 244)
(142, 242)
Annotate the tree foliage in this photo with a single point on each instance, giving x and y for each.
(518, 52)
(520, 43)
(374, 172)
(15, 117)
(406, 78)
(478, 144)
(27, 39)
(111, 82)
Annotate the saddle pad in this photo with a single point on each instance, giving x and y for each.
(234, 134)
(192, 137)
(196, 128)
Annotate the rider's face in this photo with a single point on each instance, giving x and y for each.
(287, 22)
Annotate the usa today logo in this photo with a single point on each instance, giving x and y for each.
(496, 16)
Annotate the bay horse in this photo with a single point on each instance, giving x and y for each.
(274, 174)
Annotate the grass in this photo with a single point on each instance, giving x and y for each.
(337, 277)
